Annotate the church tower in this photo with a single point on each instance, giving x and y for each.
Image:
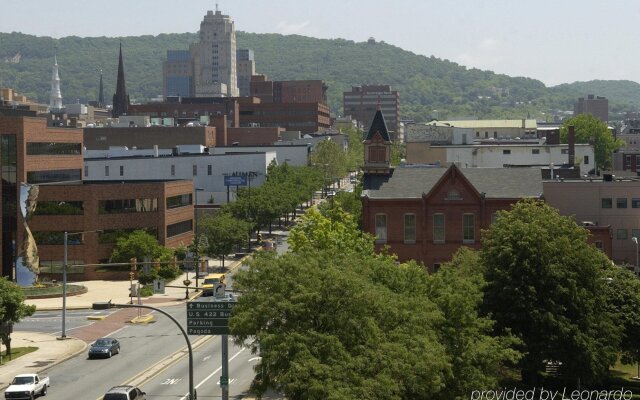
(101, 93)
(55, 100)
(120, 98)
(377, 147)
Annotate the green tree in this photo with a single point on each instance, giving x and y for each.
(590, 129)
(472, 350)
(623, 301)
(223, 232)
(141, 245)
(545, 285)
(12, 307)
(330, 159)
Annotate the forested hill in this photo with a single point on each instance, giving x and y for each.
(429, 86)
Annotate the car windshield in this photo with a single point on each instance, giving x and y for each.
(102, 342)
(115, 396)
(22, 380)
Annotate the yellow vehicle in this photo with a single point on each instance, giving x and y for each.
(210, 281)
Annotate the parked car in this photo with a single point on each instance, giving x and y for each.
(27, 386)
(125, 392)
(105, 347)
(269, 244)
(210, 281)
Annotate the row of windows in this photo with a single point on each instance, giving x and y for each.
(622, 234)
(108, 236)
(439, 229)
(38, 148)
(107, 170)
(56, 175)
(121, 206)
(621, 202)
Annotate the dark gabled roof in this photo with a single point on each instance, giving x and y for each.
(378, 125)
(496, 183)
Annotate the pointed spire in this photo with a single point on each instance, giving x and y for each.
(120, 98)
(378, 125)
(55, 99)
(101, 92)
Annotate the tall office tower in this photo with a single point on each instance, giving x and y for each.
(246, 69)
(362, 102)
(55, 100)
(215, 57)
(177, 73)
(598, 106)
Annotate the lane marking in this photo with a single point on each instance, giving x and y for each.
(186, 396)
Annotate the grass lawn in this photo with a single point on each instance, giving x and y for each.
(15, 353)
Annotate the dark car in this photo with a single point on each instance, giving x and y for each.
(125, 392)
(105, 347)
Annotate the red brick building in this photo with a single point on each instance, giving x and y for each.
(426, 214)
(163, 209)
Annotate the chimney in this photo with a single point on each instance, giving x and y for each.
(571, 138)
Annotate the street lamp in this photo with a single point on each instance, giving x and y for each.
(196, 241)
(63, 334)
(637, 267)
(108, 305)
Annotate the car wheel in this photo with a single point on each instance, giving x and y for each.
(44, 391)
(118, 350)
(109, 354)
(32, 396)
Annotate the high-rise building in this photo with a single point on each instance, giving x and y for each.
(362, 102)
(246, 69)
(214, 57)
(177, 73)
(598, 106)
(55, 100)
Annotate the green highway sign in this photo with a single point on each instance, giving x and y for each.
(209, 318)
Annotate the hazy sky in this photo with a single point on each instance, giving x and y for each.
(555, 41)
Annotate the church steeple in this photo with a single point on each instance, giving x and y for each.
(120, 98)
(101, 92)
(377, 147)
(55, 100)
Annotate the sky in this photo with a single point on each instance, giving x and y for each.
(554, 41)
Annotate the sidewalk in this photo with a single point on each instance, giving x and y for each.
(52, 351)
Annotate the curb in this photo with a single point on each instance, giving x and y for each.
(145, 319)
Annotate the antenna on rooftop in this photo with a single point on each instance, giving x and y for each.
(216, 6)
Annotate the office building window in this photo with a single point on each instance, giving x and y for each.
(621, 234)
(409, 228)
(381, 228)
(122, 170)
(209, 169)
(621, 202)
(127, 206)
(635, 233)
(86, 171)
(195, 170)
(607, 202)
(468, 228)
(173, 170)
(54, 175)
(106, 170)
(438, 228)
(599, 245)
(586, 160)
(180, 228)
(506, 151)
(180, 200)
(535, 151)
(635, 203)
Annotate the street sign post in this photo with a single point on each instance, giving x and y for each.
(209, 318)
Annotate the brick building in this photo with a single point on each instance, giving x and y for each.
(426, 214)
(302, 91)
(363, 101)
(598, 106)
(47, 163)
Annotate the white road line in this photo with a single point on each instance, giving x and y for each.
(186, 396)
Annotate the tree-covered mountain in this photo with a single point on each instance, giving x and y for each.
(429, 86)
